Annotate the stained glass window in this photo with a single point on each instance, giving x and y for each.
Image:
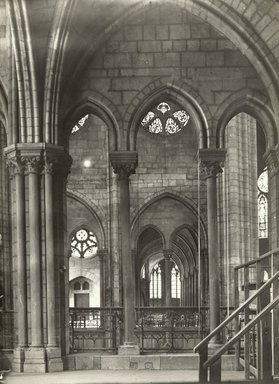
(175, 282)
(156, 282)
(165, 119)
(80, 124)
(84, 244)
(263, 204)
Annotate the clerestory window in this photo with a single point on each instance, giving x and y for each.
(165, 119)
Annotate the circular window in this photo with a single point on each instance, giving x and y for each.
(84, 244)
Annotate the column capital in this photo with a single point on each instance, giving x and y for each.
(15, 165)
(212, 161)
(35, 157)
(124, 163)
(56, 160)
(271, 158)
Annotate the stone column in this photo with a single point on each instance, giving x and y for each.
(33, 165)
(124, 164)
(167, 279)
(211, 160)
(17, 171)
(50, 256)
(35, 355)
(103, 255)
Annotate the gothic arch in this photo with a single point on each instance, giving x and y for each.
(226, 21)
(95, 211)
(184, 200)
(55, 60)
(101, 107)
(135, 239)
(177, 91)
(251, 102)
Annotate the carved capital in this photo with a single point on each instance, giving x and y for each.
(124, 163)
(56, 160)
(212, 161)
(271, 158)
(33, 164)
(15, 166)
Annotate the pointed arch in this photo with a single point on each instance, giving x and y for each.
(95, 211)
(55, 60)
(176, 91)
(101, 107)
(226, 20)
(251, 102)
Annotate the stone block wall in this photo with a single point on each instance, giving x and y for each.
(166, 41)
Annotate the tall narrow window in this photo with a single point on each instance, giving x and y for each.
(175, 282)
(156, 282)
(263, 204)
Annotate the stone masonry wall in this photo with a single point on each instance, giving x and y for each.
(168, 42)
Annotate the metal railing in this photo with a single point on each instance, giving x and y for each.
(256, 296)
(95, 329)
(170, 329)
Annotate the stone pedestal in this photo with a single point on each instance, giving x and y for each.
(18, 360)
(35, 360)
(54, 361)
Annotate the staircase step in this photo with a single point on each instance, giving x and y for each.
(119, 377)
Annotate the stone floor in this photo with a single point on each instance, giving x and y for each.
(115, 377)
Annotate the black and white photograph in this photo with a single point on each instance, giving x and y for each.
(139, 191)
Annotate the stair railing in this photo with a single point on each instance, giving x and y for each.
(262, 319)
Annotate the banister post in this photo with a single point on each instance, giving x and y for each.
(265, 337)
(203, 352)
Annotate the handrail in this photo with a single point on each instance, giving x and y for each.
(236, 312)
(247, 327)
(254, 261)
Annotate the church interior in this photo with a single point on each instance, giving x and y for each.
(139, 185)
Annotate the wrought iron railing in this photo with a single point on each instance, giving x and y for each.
(6, 330)
(158, 329)
(95, 329)
(170, 329)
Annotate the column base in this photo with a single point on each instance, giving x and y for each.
(128, 348)
(18, 359)
(54, 361)
(35, 360)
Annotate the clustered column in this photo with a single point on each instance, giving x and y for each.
(124, 164)
(211, 161)
(17, 172)
(37, 263)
